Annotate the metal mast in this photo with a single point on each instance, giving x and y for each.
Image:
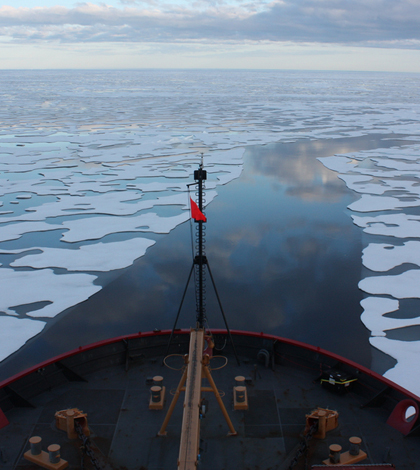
(200, 262)
(200, 259)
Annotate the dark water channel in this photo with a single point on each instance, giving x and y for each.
(284, 253)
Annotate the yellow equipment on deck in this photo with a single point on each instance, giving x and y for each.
(197, 368)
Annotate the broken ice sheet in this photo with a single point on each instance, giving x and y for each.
(15, 332)
(95, 228)
(373, 316)
(27, 287)
(124, 202)
(97, 257)
(382, 257)
(400, 286)
(112, 202)
(395, 225)
(405, 372)
(394, 170)
(369, 203)
(15, 231)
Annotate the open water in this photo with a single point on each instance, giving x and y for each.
(84, 155)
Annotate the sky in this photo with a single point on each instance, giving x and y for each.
(367, 35)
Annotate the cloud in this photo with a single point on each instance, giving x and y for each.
(380, 23)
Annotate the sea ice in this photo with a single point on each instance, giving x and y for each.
(382, 257)
(96, 257)
(15, 332)
(103, 160)
(405, 372)
(400, 286)
(28, 287)
(375, 174)
(369, 203)
(373, 315)
(15, 231)
(394, 225)
(95, 228)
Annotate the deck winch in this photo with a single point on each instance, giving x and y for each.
(65, 421)
(327, 420)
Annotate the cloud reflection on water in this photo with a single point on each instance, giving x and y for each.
(297, 171)
(284, 255)
(287, 258)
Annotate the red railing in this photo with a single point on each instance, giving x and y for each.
(292, 342)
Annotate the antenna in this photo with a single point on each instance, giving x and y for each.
(200, 262)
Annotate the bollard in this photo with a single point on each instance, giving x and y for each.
(156, 390)
(158, 380)
(240, 381)
(54, 453)
(240, 394)
(335, 450)
(240, 398)
(157, 396)
(50, 460)
(352, 456)
(36, 445)
(355, 445)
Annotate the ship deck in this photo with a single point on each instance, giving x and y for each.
(113, 388)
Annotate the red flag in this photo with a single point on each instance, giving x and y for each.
(196, 214)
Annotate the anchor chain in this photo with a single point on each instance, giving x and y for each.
(86, 447)
(303, 446)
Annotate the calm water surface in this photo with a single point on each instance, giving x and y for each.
(283, 251)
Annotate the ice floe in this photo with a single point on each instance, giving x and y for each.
(96, 257)
(394, 225)
(400, 286)
(388, 181)
(407, 354)
(98, 227)
(15, 332)
(374, 309)
(382, 257)
(28, 287)
(15, 231)
(369, 203)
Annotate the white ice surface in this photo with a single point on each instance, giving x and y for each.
(14, 332)
(15, 231)
(400, 286)
(26, 287)
(395, 225)
(96, 228)
(382, 257)
(374, 309)
(111, 203)
(369, 203)
(388, 180)
(97, 257)
(407, 353)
